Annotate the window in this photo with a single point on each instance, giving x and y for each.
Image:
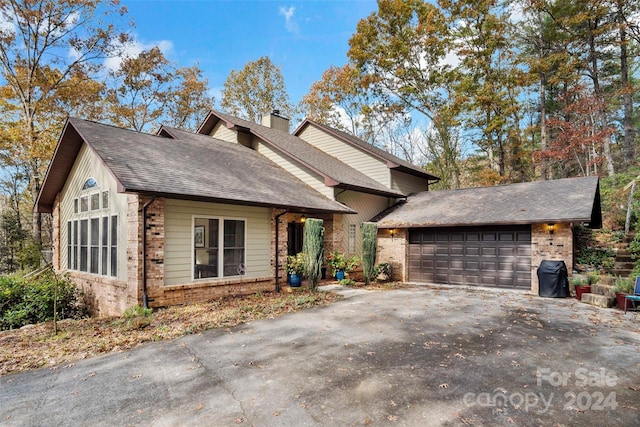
(233, 248)
(69, 245)
(89, 184)
(95, 249)
(114, 245)
(95, 201)
(84, 240)
(91, 233)
(212, 260)
(352, 238)
(105, 199)
(75, 245)
(104, 245)
(84, 204)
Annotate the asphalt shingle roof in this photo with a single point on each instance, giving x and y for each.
(562, 200)
(342, 174)
(197, 167)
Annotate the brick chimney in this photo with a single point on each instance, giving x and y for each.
(276, 121)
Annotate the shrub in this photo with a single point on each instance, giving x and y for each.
(313, 249)
(369, 248)
(624, 286)
(31, 300)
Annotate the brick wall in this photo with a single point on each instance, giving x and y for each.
(394, 249)
(546, 246)
(55, 234)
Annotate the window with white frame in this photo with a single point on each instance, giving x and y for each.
(218, 247)
(352, 238)
(92, 233)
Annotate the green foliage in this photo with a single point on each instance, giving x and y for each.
(593, 278)
(369, 248)
(136, 317)
(340, 262)
(347, 282)
(255, 90)
(296, 263)
(313, 249)
(624, 285)
(384, 271)
(137, 311)
(592, 253)
(577, 281)
(31, 300)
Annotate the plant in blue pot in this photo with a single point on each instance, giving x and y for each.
(295, 268)
(341, 265)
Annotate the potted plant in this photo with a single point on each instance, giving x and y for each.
(623, 287)
(295, 268)
(581, 287)
(340, 264)
(383, 271)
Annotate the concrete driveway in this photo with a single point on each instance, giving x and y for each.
(414, 357)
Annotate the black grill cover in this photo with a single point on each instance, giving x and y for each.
(553, 279)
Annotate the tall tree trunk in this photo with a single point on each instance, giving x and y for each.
(543, 126)
(598, 92)
(627, 100)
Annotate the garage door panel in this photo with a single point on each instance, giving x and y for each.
(480, 256)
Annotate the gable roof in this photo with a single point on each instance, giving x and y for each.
(562, 200)
(334, 172)
(393, 162)
(181, 164)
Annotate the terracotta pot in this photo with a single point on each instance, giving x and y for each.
(580, 289)
(621, 301)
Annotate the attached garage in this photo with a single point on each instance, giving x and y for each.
(498, 256)
(490, 236)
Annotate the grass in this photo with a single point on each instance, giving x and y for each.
(35, 346)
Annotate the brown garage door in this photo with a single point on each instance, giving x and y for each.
(478, 256)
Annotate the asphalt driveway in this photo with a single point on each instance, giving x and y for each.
(414, 357)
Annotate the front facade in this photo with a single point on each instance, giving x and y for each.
(176, 217)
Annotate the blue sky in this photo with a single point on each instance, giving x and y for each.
(303, 38)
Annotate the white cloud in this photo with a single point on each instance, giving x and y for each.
(133, 49)
(290, 22)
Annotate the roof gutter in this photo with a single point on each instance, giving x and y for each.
(145, 297)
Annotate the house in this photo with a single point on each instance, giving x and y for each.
(181, 217)
(493, 236)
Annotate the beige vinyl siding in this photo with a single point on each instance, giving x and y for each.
(346, 153)
(220, 131)
(407, 184)
(88, 165)
(367, 206)
(178, 250)
(306, 175)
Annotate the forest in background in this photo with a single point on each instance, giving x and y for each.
(478, 92)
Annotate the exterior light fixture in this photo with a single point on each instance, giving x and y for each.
(392, 233)
(551, 227)
(303, 219)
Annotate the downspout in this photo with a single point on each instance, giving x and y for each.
(277, 246)
(145, 297)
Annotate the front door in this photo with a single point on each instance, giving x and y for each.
(296, 231)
